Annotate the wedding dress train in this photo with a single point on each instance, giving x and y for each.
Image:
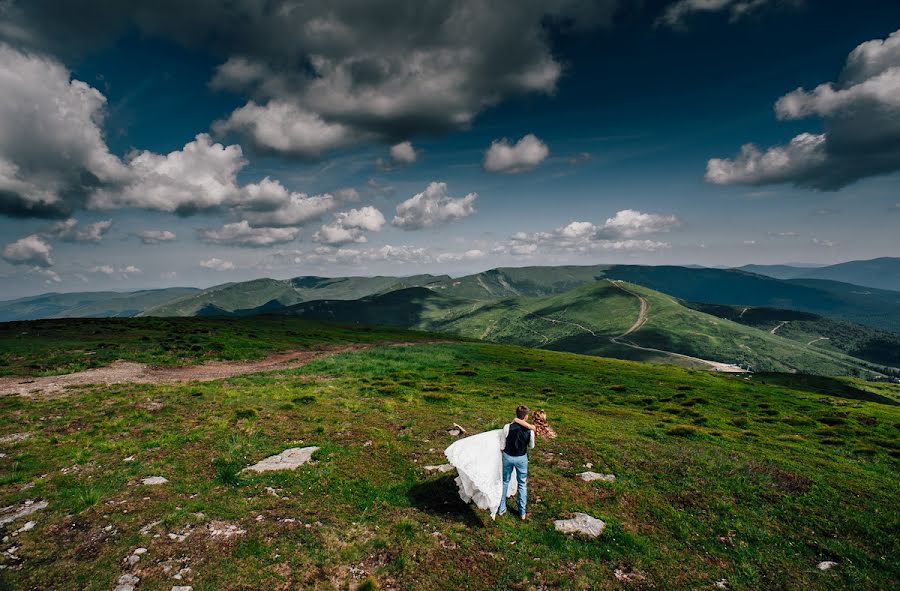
(477, 461)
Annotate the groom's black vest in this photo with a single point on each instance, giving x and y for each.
(517, 440)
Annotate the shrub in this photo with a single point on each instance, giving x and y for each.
(682, 431)
(228, 471)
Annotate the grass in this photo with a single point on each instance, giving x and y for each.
(47, 347)
(750, 480)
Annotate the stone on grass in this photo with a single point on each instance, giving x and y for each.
(182, 588)
(289, 459)
(27, 527)
(442, 468)
(591, 476)
(154, 480)
(582, 523)
(10, 514)
(220, 529)
(126, 583)
(826, 565)
(722, 584)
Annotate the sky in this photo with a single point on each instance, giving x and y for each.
(193, 143)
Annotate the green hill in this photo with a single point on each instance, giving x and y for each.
(718, 478)
(877, 346)
(89, 304)
(588, 319)
(230, 297)
(843, 301)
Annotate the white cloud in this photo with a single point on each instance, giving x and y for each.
(524, 155)
(200, 176)
(104, 269)
(349, 226)
(217, 264)
(823, 243)
(629, 223)
(52, 152)
(676, 13)
(68, 231)
(861, 116)
(455, 257)
(131, 269)
(50, 276)
(618, 233)
(404, 153)
(433, 207)
(269, 203)
(31, 250)
(280, 126)
(243, 234)
(156, 236)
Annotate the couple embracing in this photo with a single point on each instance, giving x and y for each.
(485, 462)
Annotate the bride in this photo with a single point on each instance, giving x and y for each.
(478, 462)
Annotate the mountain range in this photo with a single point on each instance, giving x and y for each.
(881, 273)
(690, 316)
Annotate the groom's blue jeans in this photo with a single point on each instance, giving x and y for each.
(520, 463)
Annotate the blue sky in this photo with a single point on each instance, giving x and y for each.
(633, 119)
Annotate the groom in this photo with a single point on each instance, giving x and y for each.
(519, 438)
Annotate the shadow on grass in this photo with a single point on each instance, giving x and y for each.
(440, 497)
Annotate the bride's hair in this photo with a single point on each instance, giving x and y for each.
(541, 426)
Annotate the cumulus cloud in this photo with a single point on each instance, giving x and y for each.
(350, 226)
(676, 14)
(269, 203)
(367, 69)
(69, 231)
(630, 223)
(217, 264)
(861, 120)
(283, 127)
(524, 155)
(618, 233)
(156, 236)
(361, 257)
(52, 151)
(433, 207)
(104, 269)
(31, 250)
(243, 234)
(200, 176)
(401, 155)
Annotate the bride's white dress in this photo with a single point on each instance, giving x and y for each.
(479, 465)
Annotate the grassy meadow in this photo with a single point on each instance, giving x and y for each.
(753, 481)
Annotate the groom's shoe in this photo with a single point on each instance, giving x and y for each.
(523, 516)
(501, 512)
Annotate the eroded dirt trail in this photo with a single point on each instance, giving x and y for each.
(130, 372)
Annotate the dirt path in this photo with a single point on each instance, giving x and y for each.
(774, 330)
(816, 340)
(642, 319)
(130, 372)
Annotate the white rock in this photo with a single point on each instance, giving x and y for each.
(591, 476)
(220, 529)
(10, 514)
(154, 480)
(139, 551)
(182, 588)
(582, 523)
(289, 459)
(722, 584)
(126, 583)
(129, 459)
(27, 527)
(14, 437)
(442, 468)
(826, 565)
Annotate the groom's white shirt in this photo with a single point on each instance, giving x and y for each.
(506, 434)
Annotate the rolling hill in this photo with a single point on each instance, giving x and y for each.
(881, 273)
(606, 318)
(95, 304)
(229, 297)
(843, 301)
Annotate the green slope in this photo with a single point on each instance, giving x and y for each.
(843, 301)
(586, 320)
(717, 477)
(88, 304)
(230, 297)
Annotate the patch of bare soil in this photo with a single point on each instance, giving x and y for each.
(130, 372)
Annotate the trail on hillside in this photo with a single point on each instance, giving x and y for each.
(774, 330)
(131, 372)
(817, 339)
(643, 315)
